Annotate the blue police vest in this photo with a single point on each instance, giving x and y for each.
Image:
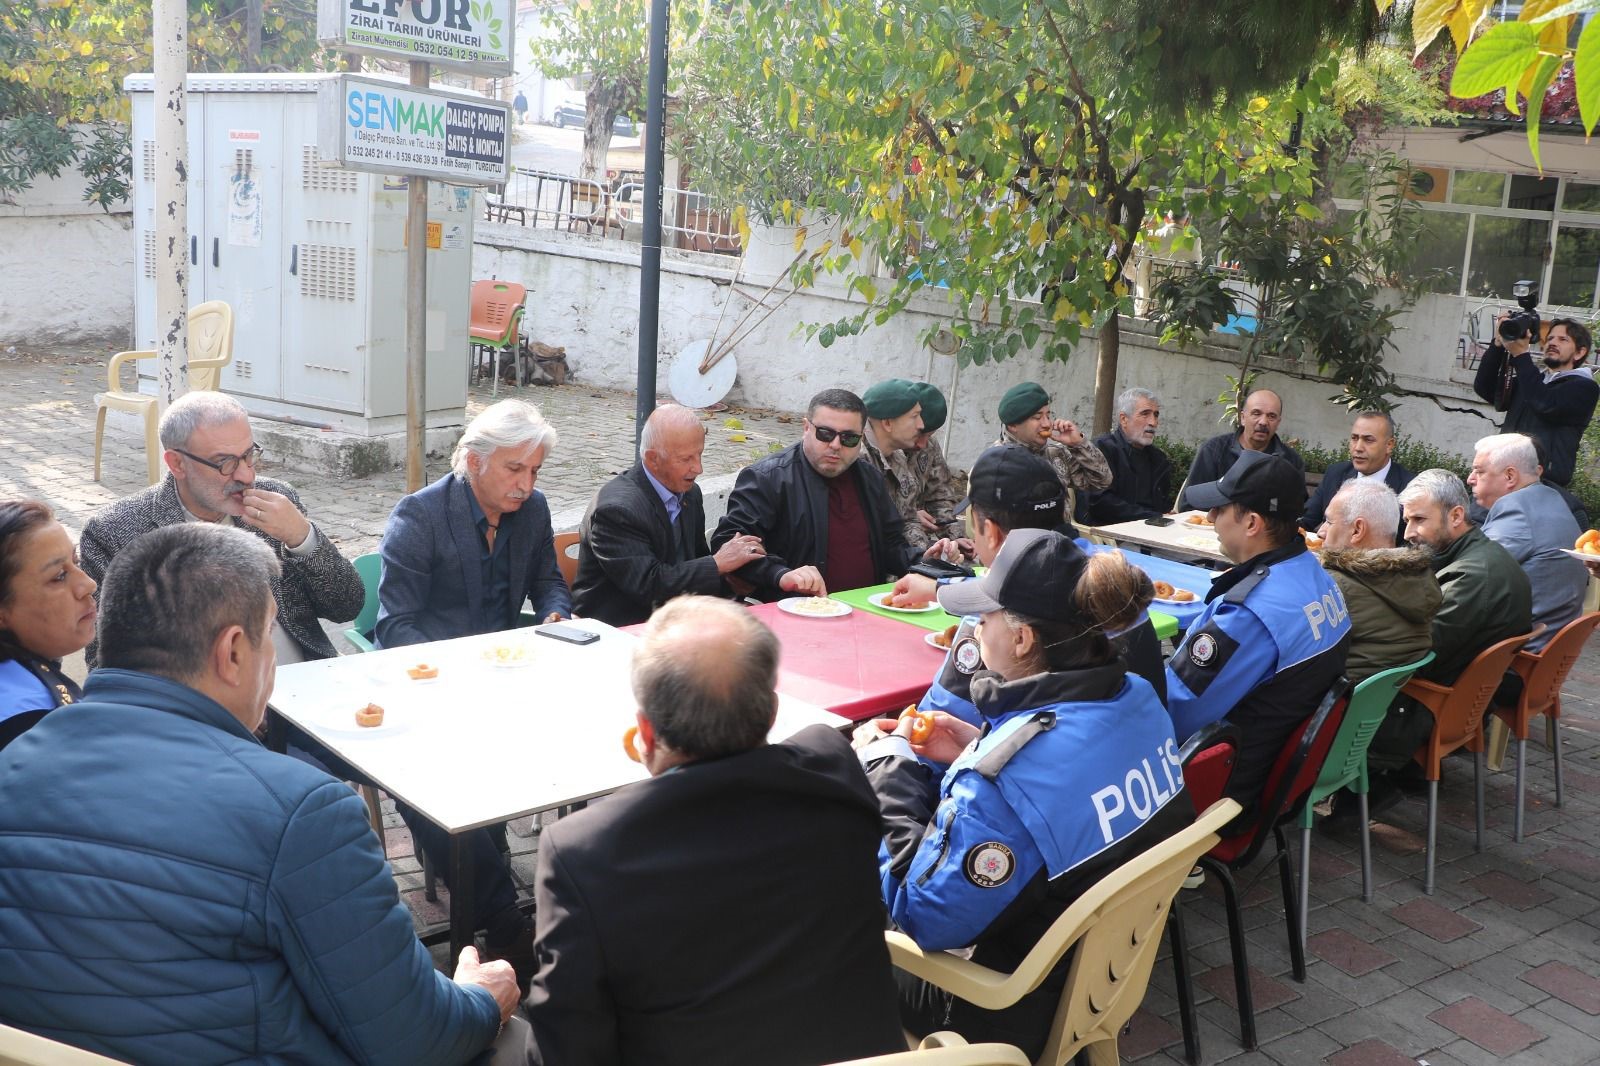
(1300, 605)
(951, 691)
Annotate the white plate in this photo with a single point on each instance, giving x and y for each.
(1196, 602)
(1582, 557)
(877, 599)
(518, 654)
(340, 718)
(801, 605)
(934, 644)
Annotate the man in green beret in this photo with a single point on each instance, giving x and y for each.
(899, 442)
(1025, 412)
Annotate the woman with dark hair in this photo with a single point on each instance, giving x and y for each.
(47, 612)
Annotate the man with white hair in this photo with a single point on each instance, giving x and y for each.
(1141, 473)
(644, 538)
(1532, 522)
(211, 457)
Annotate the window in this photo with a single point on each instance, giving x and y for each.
(1581, 196)
(1442, 247)
(1530, 193)
(1477, 188)
(1505, 251)
(1577, 266)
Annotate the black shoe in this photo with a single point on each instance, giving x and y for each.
(1383, 795)
(513, 942)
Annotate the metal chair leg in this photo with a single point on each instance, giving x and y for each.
(1477, 788)
(1305, 886)
(1291, 907)
(1433, 835)
(1366, 852)
(1236, 944)
(1183, 979)
(1522, 769)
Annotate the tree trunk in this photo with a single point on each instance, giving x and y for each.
(252, 34)
(598, 115)
(1105, 373)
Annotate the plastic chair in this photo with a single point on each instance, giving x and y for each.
(566, 545)
(1346, 764)
(493, 326)
(210, 348)
(948, 1049)
(21, 1048)
(1543, 673)
(1458, 723)
(1116, 929)
(370, 568)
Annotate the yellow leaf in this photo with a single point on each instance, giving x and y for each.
(856, 247)
(85, 48)
(1110, 269)
(1258, 105)
(1063, 310)
(788, 210)
(1461, 27)
(1085, 319)
(766, 68)
(1384, 5)
(1553, 38)
(800, 238)
(1428, 18)
(742, 221)
(1038, 233)
(964, 77)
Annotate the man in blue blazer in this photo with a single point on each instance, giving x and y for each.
(459, 558)
(1371, 455)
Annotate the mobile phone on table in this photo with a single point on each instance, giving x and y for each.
(1158, 520)
(570, 634)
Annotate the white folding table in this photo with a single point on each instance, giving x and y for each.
(1182, 538)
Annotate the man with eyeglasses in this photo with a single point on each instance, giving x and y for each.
(823, 519)
(211, 458)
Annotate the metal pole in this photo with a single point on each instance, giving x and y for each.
(416, 315)
(173, 252)
(650, 240)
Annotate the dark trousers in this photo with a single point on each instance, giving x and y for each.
(494, 896)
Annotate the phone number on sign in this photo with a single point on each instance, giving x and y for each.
(395, 155)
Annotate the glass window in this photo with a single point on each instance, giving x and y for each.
(1504, 251)
(1441, 247)
(1532, 193)
(1476, 187)
(1581, 196)
(1572, 278)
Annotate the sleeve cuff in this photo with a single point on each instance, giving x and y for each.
(887, 748)
(307, 546)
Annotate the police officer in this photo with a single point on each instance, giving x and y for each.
(1273, 637)
(992, 832)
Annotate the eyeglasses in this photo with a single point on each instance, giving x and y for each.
(227, 466)
(847, 437)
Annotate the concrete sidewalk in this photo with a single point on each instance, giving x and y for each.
(1501, 965)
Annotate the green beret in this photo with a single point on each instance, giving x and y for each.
(934, 409)
(890, 399)
(1022, 400)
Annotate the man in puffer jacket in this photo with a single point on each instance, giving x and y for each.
(1391, 592)
(173, 892)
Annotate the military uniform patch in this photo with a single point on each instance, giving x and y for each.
(968, 656)
(990, 864)
(1203, 649)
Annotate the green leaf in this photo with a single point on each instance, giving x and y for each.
(1586, 75)
(1541, 81)
(1495, 60)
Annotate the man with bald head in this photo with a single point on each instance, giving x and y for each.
(726, 910)
(644, 538)
(1256, 431)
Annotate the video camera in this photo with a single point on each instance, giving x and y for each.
(1523, 324)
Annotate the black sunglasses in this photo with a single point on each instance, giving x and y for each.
(848, 437)
(227, 466)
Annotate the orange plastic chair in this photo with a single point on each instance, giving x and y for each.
(493, 324)
(566, 545)
(1458, 723)
(1543, 673)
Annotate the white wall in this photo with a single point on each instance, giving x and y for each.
(66, 267)
(584, 292)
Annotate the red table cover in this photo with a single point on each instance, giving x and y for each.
(859, 666)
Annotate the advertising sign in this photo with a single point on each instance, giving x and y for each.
(389, 127)
(459, 33)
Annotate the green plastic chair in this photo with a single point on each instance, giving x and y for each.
(1346, 764)
(369, 566)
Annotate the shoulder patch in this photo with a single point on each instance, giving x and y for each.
(990, 864)
(1203, 649)
(967, 656)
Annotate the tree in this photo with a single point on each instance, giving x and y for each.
(992, 150)
(62, 63)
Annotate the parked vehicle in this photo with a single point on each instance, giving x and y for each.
(575, 114)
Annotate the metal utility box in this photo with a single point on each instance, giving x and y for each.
(311, 257)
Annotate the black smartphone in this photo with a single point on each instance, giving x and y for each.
(570, 634)
(1158, 520)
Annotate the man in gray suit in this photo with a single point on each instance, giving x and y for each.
(1532, 522)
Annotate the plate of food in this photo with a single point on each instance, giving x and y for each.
(942, 639)
(881, 599)
(814, 607)
(508, 656)
(1168, 593)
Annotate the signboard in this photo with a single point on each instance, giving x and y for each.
(474, 34)
(388, 127)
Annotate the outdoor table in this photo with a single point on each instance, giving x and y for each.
(1181, 538)
(1165, 621)
(483, 744)
(1197, 579)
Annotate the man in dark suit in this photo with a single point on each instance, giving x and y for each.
(1256, 431)
(1371, 456)
(725, 911)
(644, 538)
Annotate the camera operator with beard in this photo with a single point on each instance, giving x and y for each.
(1553, 403)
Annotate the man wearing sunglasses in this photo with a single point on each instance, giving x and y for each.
(824, 520)
(211, 458)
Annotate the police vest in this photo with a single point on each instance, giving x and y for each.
(1298, 603)
(951, 691)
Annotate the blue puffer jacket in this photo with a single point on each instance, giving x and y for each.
(171, 891)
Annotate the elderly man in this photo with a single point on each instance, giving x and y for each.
(1554, 402)
(211, 458)
(1257, 431)
(644, 538)
(824, 519)
(1532, 522)
(727, 909)
(1275, 631)
(174, 892)
(461, 556)
(1025, 412)
(1141, 473)
(1371, 458)
(901, 419)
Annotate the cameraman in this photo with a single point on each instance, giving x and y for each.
(1553, 403)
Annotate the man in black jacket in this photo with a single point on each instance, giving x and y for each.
(727, 910)
(1371, 456)
(824, 520)
(644, 538)
(1552, 404)
(1257, 431)
(1141, 473)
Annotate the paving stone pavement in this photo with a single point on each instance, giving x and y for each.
(1500, 965)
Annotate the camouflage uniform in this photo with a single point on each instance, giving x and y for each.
(1080, 466)
(920, 480)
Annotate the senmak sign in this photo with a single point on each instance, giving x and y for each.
(389, 128)
(475, 34)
